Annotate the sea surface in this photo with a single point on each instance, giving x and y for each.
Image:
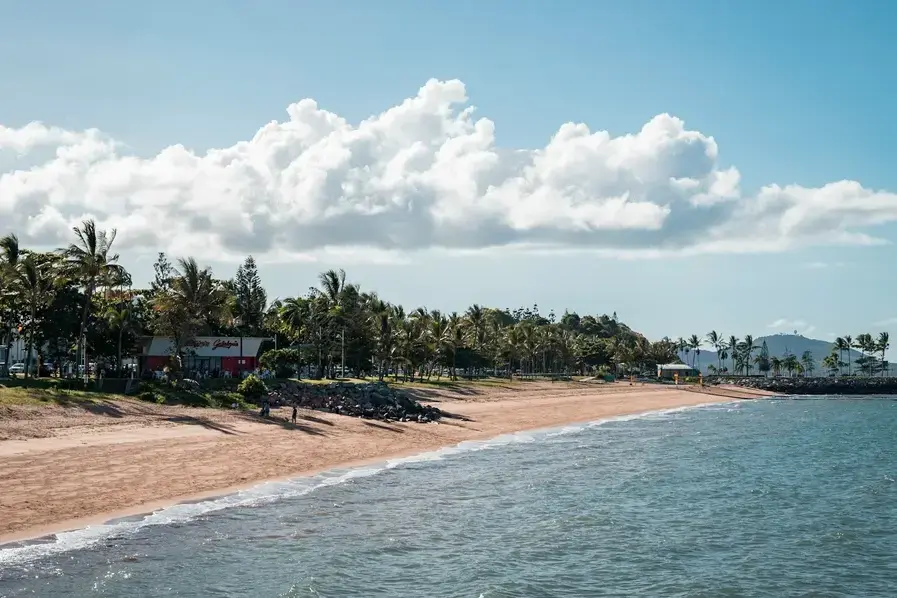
(761, 498)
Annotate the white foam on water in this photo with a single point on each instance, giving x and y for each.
(272, 491)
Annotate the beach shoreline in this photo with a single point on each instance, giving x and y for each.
(98, 472)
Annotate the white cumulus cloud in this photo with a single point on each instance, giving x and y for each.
(423, 174)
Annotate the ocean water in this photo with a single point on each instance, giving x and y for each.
(763, 498)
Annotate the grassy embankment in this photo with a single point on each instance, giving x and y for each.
(214, 393)
(53, 391)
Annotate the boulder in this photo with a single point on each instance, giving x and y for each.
(373, 400)
(844, 385)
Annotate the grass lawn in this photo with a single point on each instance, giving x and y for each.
(433, 383)
(449, 384)
(38, 392)
(329, 380)
(49, 391)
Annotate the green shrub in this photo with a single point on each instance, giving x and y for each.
(282, 362)
(221, 384)
(252, 387)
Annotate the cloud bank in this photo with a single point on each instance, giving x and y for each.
(424, 174)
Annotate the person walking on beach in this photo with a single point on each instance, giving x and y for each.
(295, 414)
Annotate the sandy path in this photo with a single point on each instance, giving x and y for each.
(88, 471)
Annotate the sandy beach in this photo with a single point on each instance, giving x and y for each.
(67, 467)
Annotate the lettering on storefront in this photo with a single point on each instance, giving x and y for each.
(222, 343)
(218, 343)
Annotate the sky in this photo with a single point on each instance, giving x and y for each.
(690, 165)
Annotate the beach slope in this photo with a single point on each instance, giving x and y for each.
(67, 467)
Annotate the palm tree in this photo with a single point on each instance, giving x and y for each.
(9, 259)
(292, 315)
(748, 349)
(776, 365)
(715, 341)
(683, 347)
(333, 290)
(9, 251)
(36, 282)
(848, 343)
(733, 351)
(865, 344)
(476, 318)
(195, 299)
(790, 363)
(841, 345)
(515, 340)
(695, 344)
(723, 356)
(119, 319)
(832, 362)
(530, 344)
(90, 262)
(456, 339)
(883, 345)
(439, 336)
(808, 363)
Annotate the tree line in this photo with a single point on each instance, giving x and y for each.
(745, 356)
(78, 305)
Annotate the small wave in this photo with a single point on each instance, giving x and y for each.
(272, 491)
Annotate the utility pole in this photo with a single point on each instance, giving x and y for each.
(343, 343)
(84, 359)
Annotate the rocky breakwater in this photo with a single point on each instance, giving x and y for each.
(374, 400)
(853, 385)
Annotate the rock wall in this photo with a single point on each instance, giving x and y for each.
(854, 385)
(374, 400)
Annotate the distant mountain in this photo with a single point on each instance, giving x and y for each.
(779, 345)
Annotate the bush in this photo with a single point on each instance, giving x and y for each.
(221, 384)
(188, 384)
(283, 362)
(252, 386)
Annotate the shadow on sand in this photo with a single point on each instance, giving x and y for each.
(201, 421)
(382, 426)
(286, 424)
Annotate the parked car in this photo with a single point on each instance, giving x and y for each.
(46, 370)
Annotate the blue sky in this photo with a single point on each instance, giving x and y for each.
(793, 92)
